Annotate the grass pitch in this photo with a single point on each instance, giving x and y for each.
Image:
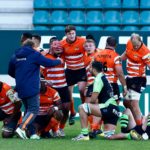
(67, 144)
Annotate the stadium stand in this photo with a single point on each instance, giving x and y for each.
(16, 14)
(94, 28)
(130, 17)
(145, 18)
(59, 4)
(98, 4)
(112, 28)
(114, 4)
(76, 4)
(130, 28)
(144, 4)
(145, 28)
(44, 4)
(58, 28)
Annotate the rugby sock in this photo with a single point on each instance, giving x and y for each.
(95, 126)
(62, 126)
(128, 136)
(148, 126)
(85, 131)
(138, 122)
(53, 124)
(90, 119)
(72, 110)
(124, 120)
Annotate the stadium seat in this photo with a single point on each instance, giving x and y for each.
(112, 4)
(145, 28)
(41, 17)
(41, 4)
(130, 28)
(80, 28)
(77, 4)
(59, 4)
(112, 28)
(58, 28)
(94, 17)
(130, 4)
(41, 28)
(94, 28)
(76, 17)
(96, 4)
(130, 17)
(59, 17)
(112, 17)
(145, 4)
(145, 18)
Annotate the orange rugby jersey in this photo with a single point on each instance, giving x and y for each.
(137, 60)
(110, 59)
(74, 53)
(5, 103)
(55, 74)
(87, 60)
(47, 100)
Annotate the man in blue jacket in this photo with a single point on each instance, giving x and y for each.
(24, 66)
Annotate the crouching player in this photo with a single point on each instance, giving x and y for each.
(50, 110)
(129, 129)
(106, 107)
(10, 112)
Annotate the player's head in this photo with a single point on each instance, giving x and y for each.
(89, 46)
(111, 42)
(1, 85)
(70, 31)
(25, 36)
(90, 36)
(28, 42)
(37, 39)
(96, 67)
(136, 41)
(56, 47)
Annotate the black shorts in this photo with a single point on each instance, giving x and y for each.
(75, 76)
(116, 91)
(110, 114)
(9, 121)
(41, 121)
(64, 94)
(89, 91)
(137, 84)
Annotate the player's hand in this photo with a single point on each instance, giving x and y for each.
(62, 61)
(125, 91)
(58, 115)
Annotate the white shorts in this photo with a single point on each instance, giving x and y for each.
(133, 95)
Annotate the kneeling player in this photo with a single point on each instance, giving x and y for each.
(10, 113)
(106, 107)
(50, 110)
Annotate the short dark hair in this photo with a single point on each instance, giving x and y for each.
(90, 36)
(28, 42)
(97, 65)
(69, 28)
(90, 41)
(27, 35)
(36, 36)
(111, 41)
(53, 39)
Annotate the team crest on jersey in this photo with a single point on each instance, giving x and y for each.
(76, 48)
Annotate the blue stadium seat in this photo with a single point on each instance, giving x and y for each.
(145, 18)
(77, 4)
(96, 4)
(41, 17)
(145, 4)
(112, 17)
(41, 28)
(112, 4)
(76, 17)
(130, 17)
(41, 4)
(59, 17)
(94, 17)
(59, 4)
(130, 28)
(58, 28)
(145, 28)
(112, 28)
(130, 4)
(94, 28)
(80, 28)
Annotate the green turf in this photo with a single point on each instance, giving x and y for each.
(67, 144)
